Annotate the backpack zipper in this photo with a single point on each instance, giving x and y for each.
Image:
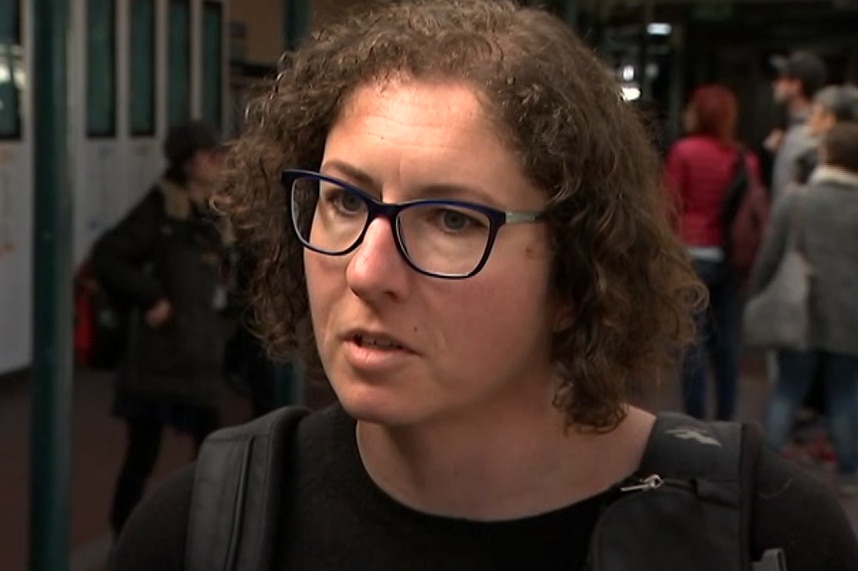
(651, 482)
(634, 486)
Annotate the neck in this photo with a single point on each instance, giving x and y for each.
(798, 106)
(827, 173)
(486, 466)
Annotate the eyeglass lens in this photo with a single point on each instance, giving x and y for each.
(438, 238)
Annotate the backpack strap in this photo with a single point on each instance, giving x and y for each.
(697, 515)
(236, 493)
(736, 187)
(709, 455)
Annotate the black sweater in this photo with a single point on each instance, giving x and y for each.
(339, 520)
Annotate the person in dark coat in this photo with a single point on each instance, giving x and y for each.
(166, 258)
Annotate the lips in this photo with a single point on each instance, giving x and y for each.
(375, 340)
(375, 354)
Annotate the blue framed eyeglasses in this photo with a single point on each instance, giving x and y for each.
(449, 239)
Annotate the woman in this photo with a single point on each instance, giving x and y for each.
(698, 172)
(165, 258)
(824, 216)
(470, 241)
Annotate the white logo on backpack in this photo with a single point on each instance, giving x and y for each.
(691, 433)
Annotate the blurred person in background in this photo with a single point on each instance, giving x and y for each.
(166, 257)
(825, 213)
(831, 105)
(800, 77)
(699, 170)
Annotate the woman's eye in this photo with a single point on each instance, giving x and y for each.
(342, 200)
(457, 221)
(454, 220)
(350, 202)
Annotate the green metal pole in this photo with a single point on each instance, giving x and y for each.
(296, 22)
(52, 294)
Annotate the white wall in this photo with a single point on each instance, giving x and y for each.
(16, 214)
(110, 174)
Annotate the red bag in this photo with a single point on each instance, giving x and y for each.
(100, 324)
(745, 217)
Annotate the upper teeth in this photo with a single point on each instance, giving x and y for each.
(376, 342)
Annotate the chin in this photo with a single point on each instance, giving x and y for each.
(376, 409)
(379, 405)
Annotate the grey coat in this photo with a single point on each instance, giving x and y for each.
(797, 141)
(828, 236)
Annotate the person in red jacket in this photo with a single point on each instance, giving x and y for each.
(698, 171)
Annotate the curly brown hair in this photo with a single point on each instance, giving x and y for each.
(617, 261)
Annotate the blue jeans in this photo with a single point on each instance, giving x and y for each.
(717, 345)
(796, 372)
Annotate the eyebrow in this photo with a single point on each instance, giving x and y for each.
(441, 191)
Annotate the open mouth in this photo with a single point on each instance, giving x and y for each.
(381, 343)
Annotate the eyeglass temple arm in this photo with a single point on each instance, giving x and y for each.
(515, 217)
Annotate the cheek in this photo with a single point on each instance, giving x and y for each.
(495, 322)
(321, 289)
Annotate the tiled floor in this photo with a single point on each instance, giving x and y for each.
(97, 449)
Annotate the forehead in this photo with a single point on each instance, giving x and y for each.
(413, 134)
(420, 102)
(412, 120)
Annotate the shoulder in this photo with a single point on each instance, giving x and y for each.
(686, 152)
(146, 212)
(704, 151)
(154, 536)
(152, 201)
(689, 145)
(798, 139)
(785, 201)
(799, 514)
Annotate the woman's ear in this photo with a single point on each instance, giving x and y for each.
(563, 317)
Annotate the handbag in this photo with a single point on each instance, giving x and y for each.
(778, 317)
(744, 217)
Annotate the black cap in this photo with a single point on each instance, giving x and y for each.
(185, 139)
(805, 66)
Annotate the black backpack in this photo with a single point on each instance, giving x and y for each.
(698, 476)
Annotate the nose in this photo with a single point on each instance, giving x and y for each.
(376, 269)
